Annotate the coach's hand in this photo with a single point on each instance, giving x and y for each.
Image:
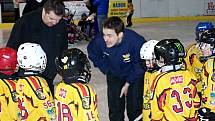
(124, 89)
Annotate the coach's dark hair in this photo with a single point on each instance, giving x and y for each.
(57, 6)
(114, 23)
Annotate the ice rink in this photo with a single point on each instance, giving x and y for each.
(182, 30)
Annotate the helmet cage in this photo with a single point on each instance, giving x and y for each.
(208, 37)
(74, 66)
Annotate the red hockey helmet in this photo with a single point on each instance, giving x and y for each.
(8, 60)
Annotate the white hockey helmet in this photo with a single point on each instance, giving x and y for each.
(30, 56)
(147, 50)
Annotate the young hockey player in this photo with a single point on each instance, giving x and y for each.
(207, 46)
(75, 99)
(8, 94)
(173, 91)
(193, 51)
(35, 102)
(149, 61)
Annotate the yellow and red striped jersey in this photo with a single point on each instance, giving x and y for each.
(208, 93)
(8, 100)
(174, 96)
(35, 101)
(76, 102)
(193, 64)
(148, 78)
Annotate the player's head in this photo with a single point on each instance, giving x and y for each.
(201, 27)
(147, 54)
(169, 52)
(74, 66)
(8, 60)
(31, 57)
(83, 16)
(207, 42)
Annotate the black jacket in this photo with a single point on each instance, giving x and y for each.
(30, 28)
(32, 5)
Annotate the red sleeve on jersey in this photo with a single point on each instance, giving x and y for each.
(194, 83)
(191, 59)
(205, 72)
(161, 100)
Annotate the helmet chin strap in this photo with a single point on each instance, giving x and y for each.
(174, 69)
(69, 80)
(81, 79)
(76, 79)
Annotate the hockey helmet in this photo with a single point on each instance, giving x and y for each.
(208, 37)
(147, 50)
(201, 27)
(8, 60)
(74, 66)
(31, 57)
(171, 50)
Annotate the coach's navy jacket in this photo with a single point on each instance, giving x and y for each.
(122, 60)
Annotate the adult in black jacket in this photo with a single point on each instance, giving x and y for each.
(46, 27)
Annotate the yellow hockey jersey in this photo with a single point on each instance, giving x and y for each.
(193, 64)
(76, 102)
(192, 61)
(174, 96)
(35, 101)
(148, 78)
(208, 93)
(8, 100)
